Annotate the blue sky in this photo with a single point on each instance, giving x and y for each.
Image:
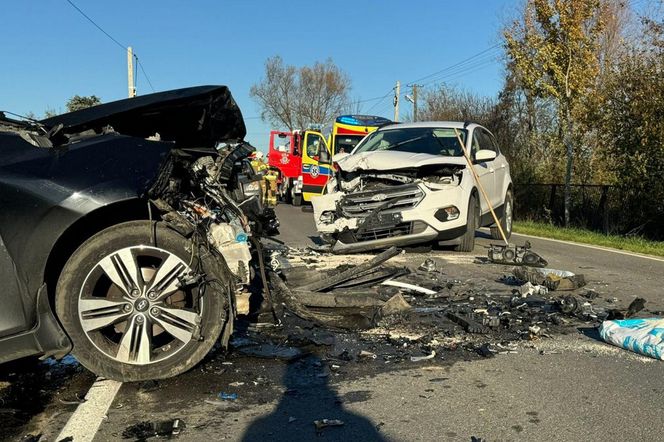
(51, 52)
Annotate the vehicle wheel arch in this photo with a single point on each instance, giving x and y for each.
(134, 209)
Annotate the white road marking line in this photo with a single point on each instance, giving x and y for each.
(87, 418)
(590, 246)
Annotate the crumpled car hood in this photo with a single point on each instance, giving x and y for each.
(198, 116)
(393, 160)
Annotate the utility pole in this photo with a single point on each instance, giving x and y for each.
(130, 73)
(397, 93)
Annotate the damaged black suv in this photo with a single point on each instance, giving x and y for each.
(125, 232)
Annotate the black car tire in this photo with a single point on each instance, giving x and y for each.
(506, 219)
(288, 196)
(213, 302)
(467, 243)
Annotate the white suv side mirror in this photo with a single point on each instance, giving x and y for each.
(485, 155)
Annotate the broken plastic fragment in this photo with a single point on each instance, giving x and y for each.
(323, 423)
(423, 358)
(396, 304)
(411, 287)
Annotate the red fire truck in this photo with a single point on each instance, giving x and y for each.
(286, 154)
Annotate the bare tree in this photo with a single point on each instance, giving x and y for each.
(296, 97)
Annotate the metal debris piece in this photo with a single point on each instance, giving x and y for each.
(468, 324)
(429, 265)
(354, 272)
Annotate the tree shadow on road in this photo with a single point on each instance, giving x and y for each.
(308, 397)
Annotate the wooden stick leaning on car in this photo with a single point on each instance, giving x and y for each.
(479, 184)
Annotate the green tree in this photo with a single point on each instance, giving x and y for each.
(553, 51)
(78, 102)
(631, 126)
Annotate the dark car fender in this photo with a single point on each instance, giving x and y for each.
(53, 199)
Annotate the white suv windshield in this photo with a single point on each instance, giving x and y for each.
(430, 140)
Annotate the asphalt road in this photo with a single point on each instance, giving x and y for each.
(615, 273)
(570, 387)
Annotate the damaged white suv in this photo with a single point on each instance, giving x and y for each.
(407, 184)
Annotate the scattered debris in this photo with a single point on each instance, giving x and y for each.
(643, 336)
(550, 278)
(529, 289)
(401, 313)
(144, 430)
(467, 323)
(352, 273)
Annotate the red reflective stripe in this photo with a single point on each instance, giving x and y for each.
(342, 131)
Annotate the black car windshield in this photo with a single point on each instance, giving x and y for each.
(431, 140)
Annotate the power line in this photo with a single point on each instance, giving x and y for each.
(381, 100)
(462, 69)
(96, 25)
(457, 64)
(114, 40)
(140, 65)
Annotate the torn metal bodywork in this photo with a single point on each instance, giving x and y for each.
(375, 208)
(175, 157)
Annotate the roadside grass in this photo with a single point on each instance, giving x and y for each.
(632, 244)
